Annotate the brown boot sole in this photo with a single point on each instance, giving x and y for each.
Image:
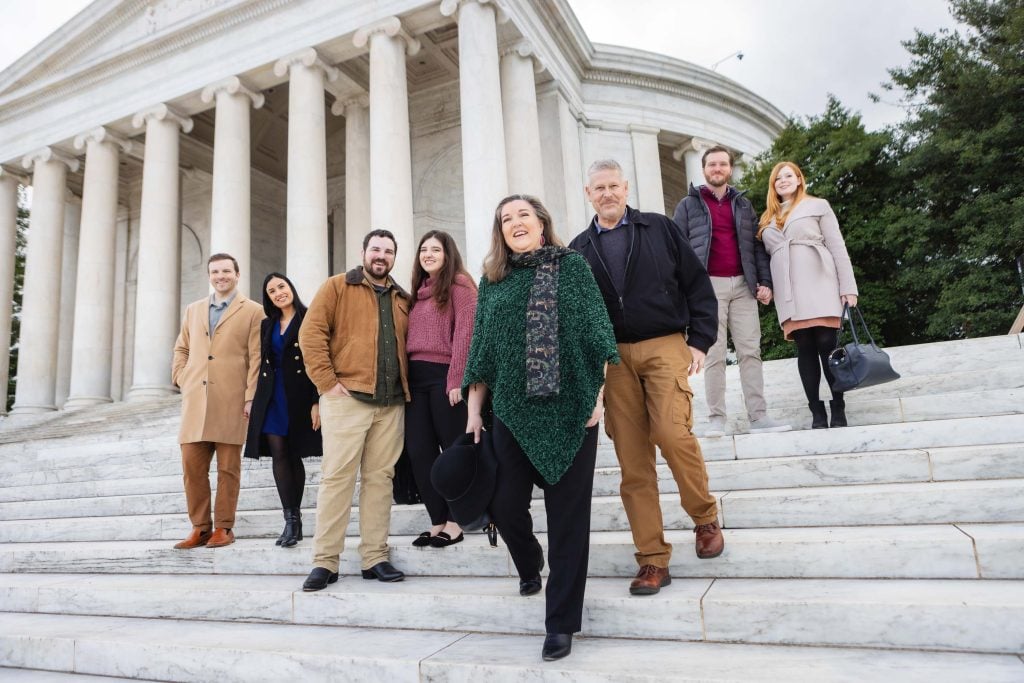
(649, 590)
(712, 556)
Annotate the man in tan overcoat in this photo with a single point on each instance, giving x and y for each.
(216, 362)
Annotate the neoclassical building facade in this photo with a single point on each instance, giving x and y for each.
(155, 132)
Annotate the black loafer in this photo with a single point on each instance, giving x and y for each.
(443, 539)
(423, 540)
(529, 586)
(318, 579)
(556, 646)
(383, 571)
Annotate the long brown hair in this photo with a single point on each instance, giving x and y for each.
(441, 287)
(774, 212)
(496, 266)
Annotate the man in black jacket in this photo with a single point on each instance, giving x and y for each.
(720, 224)
(664, 313)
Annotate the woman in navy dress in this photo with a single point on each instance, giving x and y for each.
(284, 422)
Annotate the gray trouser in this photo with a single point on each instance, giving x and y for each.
(737, 313)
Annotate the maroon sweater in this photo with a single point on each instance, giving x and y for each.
(724, 252)
(443, 336)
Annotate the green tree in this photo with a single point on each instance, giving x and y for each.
(19, 285)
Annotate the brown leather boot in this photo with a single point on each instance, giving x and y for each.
(710, 542)
(195, 539)
(649, 580)
(220, 538)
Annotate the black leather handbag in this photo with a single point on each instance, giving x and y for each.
(856, 365)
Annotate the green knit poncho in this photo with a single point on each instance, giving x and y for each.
(549, 429)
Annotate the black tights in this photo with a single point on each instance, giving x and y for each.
(289, 472)
(813, 346)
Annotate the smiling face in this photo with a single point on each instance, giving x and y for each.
(223, 277)
(280, 293)
(379, 258)
(431, 256)
(520, 227)
(717, 169)
(607, 191)
(787, 182)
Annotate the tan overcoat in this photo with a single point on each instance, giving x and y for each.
(217, 374)
(810, 265)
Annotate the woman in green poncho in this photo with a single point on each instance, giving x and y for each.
(541, 341)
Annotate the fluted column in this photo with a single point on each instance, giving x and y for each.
(158, 289)
(93, 341)
(650, 191)
(357, 175)
(8, 241)
(390, 152)
(307, 258)
(690, 154)
(484, 171)
(40, 309)
(230, 208)
(68, 289)
(522, 124)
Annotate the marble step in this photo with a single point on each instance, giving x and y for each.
(1000, 500)
(942, 614)
(199, 652)
(987, 551)
(37, 676)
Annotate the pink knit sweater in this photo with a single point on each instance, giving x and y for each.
(443, 336)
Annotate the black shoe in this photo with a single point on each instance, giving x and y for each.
(819, 418)
(284, 532)
(556, 646)
(531, 586)
(318, 579)
(442, 540)
(292, 528)
(423, 540)
(838, 407)
(383, 571)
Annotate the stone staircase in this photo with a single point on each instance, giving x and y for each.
(889, 550)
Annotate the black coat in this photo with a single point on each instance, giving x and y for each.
(667, 288)
(694, 217)
(299, 392)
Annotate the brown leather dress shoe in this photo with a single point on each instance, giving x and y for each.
(195, 539)
(649, 580)
(710, 542)
(220, 538)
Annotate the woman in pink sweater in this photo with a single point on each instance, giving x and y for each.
(440, 328)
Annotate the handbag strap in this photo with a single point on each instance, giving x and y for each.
(848, 312)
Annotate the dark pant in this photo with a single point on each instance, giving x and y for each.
(813, 346)
(567, 504)
(431, 425)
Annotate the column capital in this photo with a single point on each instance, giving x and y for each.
(307, 57)
(342, 107)
(699, 145)
(451, 8)
(102, 134)
(233, 85)
(162, 112)
(522, 48)
(7, 174)
(49, 154)
(392, 28)
(650, 130)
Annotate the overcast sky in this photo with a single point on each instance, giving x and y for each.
(794, 51)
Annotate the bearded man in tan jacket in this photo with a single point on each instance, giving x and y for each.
(216, 363)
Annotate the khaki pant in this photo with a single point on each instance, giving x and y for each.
(737, 312)
(365, 438)
(195, 467)
(648, 402)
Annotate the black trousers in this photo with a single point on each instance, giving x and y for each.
(431, 425)
(567, 504)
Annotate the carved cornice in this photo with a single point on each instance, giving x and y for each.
(392, 28)
(162, 112)
(307, 57)
(452, 7)
(102, 134)
(233, 85)
(49, 154)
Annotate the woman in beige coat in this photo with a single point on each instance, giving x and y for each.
(813, 278)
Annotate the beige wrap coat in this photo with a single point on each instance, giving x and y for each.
(809, 262)
(217, 374)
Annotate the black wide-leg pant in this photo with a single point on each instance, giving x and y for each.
(567, 504)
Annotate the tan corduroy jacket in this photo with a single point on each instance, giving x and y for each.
(217, 374)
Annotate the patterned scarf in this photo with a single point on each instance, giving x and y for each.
(542, 373)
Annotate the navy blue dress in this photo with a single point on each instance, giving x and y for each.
(276, 421)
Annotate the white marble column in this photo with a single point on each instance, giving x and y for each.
(741, 163)
(68, 288)
(158, 288)
(92, 341)
(230, 209)
(484, 170)
(650, 191)
(8, 241)
(307, 242)
(390, 151)
(357, 176)
(40, 309)
(521, 122)
(690, 153)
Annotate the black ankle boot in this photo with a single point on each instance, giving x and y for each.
(298, 523)
(291, 534)
(284, 532)
(838, 409)
(819, 418)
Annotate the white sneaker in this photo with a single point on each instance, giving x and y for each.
(766, 424)
(716, 427)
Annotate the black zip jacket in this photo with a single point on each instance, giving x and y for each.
(667, 289)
